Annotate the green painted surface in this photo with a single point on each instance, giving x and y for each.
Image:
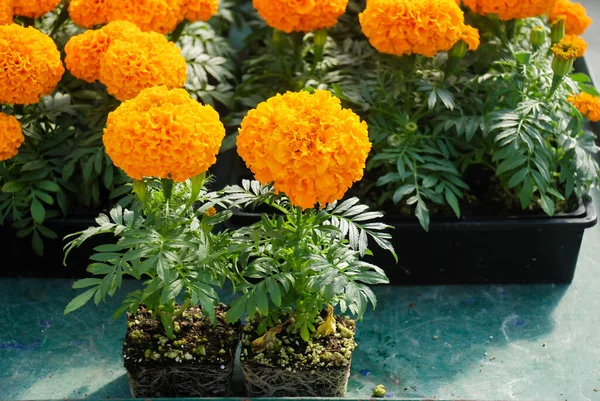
(477, 342)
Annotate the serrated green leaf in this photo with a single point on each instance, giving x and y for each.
(526, 193)
(38, 213)
(37, 243)
(80, 300)
(48, 186)
(12, 187)
(452, 201)
(237, 309)
(86, 282)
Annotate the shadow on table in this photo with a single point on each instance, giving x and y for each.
(421, 340)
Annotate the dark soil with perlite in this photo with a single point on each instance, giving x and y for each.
(280, 364)
(198, 362)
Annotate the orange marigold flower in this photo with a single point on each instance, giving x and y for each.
(306, 145)
(570, 47)
(300, 15)
(577, 20)
(11, 136)
(85, 51)
(471, 37)
(139, 62)
(587, 104)
(510, 9)
(211, 211)
(149, 15)
(6, 12)
(34, 8)
(87, 13)
(199, 10)
(30, 65)
(163, 133)
(412, 26)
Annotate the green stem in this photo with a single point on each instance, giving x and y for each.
(176, 34)
(62, 17)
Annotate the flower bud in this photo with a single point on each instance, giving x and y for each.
(459, 50)
(558, 29)
(561, 66)
(537, 36)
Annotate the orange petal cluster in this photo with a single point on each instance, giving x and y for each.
(11, 136)
(199, 10)
(577, 20)
(149, 15)
(84, 52)
(6, 12)
(510, 9)
(470, 36)
(306, 145)
(88, 13)
(587, 104)
(163, 133)
(30, 65)
(34, 8)
(141, 61)
(412, 26)
(300, 15)
(570, 47)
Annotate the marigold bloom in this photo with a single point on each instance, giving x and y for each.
(470, 36)
(587, 104)
(412, 26)
(6, 12)
(85, 51)
(211, 211)
(34, 8)
(87, 13)
(139, 62)
(510, 9)
(199, 10)
(163, 133)
(306, 145)
(149, 15)
(11, 136)
(30, 65)
(570, 47)
(300, 15)
(577, 20)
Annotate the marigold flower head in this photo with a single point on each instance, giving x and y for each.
(577, 20)
(587, 104)
(199, 10)
(300, 15)
(470, 36)
(87, 13)
(149, 15)
(34, 8)
(6, 12)
(163, 133)
(84, 52)
(211, 211)
(141, 61)
(510, 9)
(306, 145)
(30, 65)
(11, 136)
(570, 47)
(412, 26)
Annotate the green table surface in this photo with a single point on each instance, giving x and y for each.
(485, 342)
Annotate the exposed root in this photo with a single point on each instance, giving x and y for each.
(266, 381)
(181, 381)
